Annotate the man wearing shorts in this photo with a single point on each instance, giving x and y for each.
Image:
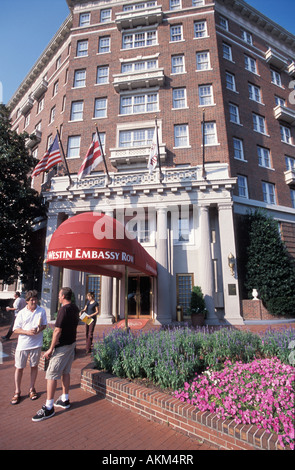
(61, 354)
(29, 324)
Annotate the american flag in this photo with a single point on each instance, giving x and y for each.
(93, 157)
(51, 158)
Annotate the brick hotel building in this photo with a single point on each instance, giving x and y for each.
(118, 66)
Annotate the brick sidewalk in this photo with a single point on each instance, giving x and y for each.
(90, 424)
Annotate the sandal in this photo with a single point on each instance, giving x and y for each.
(15, 399)
(33, 395)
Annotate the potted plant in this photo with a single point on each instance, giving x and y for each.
(197, 308)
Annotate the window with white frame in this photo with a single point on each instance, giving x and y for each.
(74, 146)
(82, 48)
(275, 77)
(230, 81)
(176, 33)
(263, 157)
(175, 4)
(254, 92)
(55, 88)
(138, 66)
(139, 103)
(290, 163)
(243, 186)
(246, 36)
(210, 134)
(139, 6)
(292, 193)
(280, 101)
(136, 137)
(285, 134)
(205, 95)
(84, 19)
(200, 29)
(105, 15)
(234, 115)
(40, 106)
(181, 135)
(227, 51)
(259, 123)
(104, 45)
(238, 149)
(250, 64)
(77, 111)
(179, 98)
(269, 195)
(27, 119)
(52, 114)
(198, 3)
(223, 23)
(203, 60)
(102, 75)
(139, 39)
(80, 78)
(177, 64)
(100, 107)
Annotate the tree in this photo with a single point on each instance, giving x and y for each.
(269, 268)
(20, 205)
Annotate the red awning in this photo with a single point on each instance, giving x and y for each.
(96, 243)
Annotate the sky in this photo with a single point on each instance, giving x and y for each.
(25, 35)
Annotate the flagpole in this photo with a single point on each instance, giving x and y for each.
(63, 154)
(203, 124)
(103, 156)
(158, 148)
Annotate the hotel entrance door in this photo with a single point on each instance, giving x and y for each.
(139, 296)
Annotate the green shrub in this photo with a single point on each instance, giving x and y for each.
(47, 337)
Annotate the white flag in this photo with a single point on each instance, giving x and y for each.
(154, 153)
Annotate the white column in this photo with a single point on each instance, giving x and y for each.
(106, 309)
(163, 281)
(230, 281)
(206, 266)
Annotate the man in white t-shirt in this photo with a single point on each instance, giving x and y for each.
(18, 304)
(29, 325)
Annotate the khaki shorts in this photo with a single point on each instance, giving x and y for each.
(61, 361)
(21, 357)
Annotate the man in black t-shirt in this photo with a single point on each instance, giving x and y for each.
(61, 354)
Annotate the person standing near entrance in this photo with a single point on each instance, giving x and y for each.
(29, 324)
(18, 304)
(91, 308)
(61, 354)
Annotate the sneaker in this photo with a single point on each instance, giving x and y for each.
(62, 404)
(44, 413)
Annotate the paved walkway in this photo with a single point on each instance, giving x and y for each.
(91, 423)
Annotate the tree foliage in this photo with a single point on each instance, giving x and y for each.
(20, 205)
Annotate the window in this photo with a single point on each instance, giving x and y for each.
(104, 45)
(210, 133)
(175, 4)
(176, 33)
(52, 114)
(259, 123)
(290, 163)
(100, 107)
(82, 48)
(227, 51)
(40, 105)
(238, 149)
(184, 285)
(243, 186)
(198, 3)
(246, 36)
(292, 193)
(205, 95)
(179, 98)
(139, 39)
(177, 64)
(27, 120)
(84, 19)
(55, 88)
(268, 190)
(234, 113)
(58, 63)
(102, 74)
(143, 65)
(141, 103)
(200, 29)
(77, 111)
(275, 77)
(139, 6)
(203, 60)
(230, 81)
(250, 64)
(280, 101)
(74, 146)
(136, 138)
(286, 134)
(263, 157)
(105, 15)
(181, 135)
(93, 284)
(80, 78)
(223, 23)
(254, 92)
